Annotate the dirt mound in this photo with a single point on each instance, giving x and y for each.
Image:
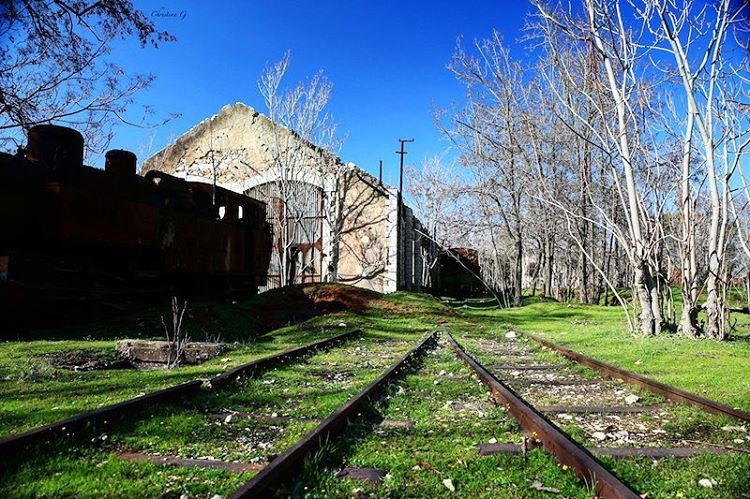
(341, 297)
(295, 304)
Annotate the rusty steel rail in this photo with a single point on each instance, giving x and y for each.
(670, 392)
(100, 418)
(85, 423)
(285, 465)
(554, 441)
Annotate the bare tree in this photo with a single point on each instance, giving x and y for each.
(617, 164)
(619, 128)
(487, 132)
(436, 196)
(303, 135)
(695, 37)
(343, 194)
(177, 337)
(54, 66)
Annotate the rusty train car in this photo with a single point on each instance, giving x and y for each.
(80, 240)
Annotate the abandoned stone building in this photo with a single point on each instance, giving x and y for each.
(331, 219)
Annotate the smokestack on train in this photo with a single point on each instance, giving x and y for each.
(58, 147)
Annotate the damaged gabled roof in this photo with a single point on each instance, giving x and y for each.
(250, 127)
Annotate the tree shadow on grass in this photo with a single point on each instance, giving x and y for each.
(223, 321)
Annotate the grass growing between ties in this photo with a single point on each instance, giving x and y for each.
(33, 391)
(452, 414)
(215, 426)
(93, 473)
(255, 420)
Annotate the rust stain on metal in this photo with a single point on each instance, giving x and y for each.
(554, 441)
(75, 233)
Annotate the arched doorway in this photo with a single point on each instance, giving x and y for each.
(295, 209)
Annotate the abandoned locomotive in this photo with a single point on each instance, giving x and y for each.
(76, 238)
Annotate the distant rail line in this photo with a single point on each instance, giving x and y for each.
(667, 391)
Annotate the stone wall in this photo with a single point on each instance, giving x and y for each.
(238, 143)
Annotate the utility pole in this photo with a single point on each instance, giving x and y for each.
(401, 171)
(213, 161)
(380, 174)
(401, 277)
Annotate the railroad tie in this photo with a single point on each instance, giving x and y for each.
(578, 409)
(213, 464)
(399, 424)
(555, 441)
(371, 476)
(263, 418)
(83, 424)
(548, 382)
(288, 464)
(649, 452)
(523, 367)
(670, 392)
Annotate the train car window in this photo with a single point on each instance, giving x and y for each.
(222, 211)
(240, 212)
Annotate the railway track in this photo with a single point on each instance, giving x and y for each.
(422, 431)
(669, 392)
(601, 412)
(291, 461)
(236, 428)
(547, 434)
(337, 418)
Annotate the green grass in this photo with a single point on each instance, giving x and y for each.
(36, 393)
(300, 388)
(442, 445)
(201, 431)
(678, 478)
(90, 473)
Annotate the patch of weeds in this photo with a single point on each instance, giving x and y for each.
(34, 369)
(729, 476)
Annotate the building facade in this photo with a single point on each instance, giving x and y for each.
(322, 210)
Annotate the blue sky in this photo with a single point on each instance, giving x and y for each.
(386, 59)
